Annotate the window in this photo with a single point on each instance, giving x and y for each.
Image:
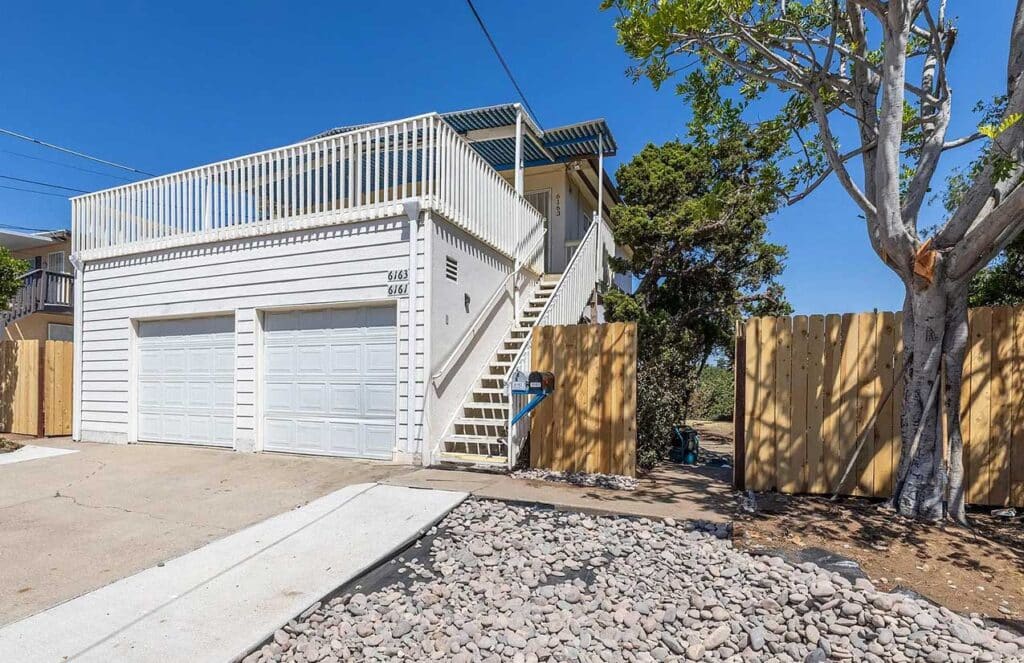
(55, 262)
(59, 332)
(451, 268)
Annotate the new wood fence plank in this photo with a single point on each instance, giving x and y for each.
(867, 401)
(981, 390)
(750, 392)
(783, 401)
(795, 480)
(594, 411)
(765, 478)
(541, 429)
(611, 393)
(627, 451)
(1017, 412)
(965, 405)
(1000, 434)
(848, 404)
(884, 432)
(815, 404)
(832, 399)
(897, 396)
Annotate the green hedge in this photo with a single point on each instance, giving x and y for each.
(714, 398)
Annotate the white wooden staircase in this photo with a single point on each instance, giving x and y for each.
(478, 437)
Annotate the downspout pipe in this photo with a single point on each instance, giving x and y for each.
(76, 400)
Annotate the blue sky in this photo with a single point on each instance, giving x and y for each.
(165, 86)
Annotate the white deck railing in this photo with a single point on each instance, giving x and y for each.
(586, 268)
(359, 175)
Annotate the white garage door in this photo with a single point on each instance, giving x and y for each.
(329, 382)
(186, 381)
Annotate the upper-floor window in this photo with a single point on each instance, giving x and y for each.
(56, 262)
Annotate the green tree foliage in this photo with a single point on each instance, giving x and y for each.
(11, 271)
(714, 397)
(694, 217)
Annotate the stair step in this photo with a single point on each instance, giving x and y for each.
(489, 390)
(474, 461)
(481, 422)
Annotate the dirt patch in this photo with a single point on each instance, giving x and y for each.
(8, 445)
(979, 570)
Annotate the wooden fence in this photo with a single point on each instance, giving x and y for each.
(36, 387)
(807, 387)
(589, 423)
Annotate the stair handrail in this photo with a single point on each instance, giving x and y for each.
(597, 227)
(463, 343)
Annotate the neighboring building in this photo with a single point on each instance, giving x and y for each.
(42, 309)
(363, 293)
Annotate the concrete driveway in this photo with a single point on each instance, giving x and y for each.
(77, 522)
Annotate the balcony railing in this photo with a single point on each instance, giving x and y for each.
(40, 291)
(363, 174)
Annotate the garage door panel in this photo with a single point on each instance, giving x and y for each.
(380, 358)
(345, 358)
(280, 361)
(312, 359)
(339, 389)
(279, 397)
(186, 381)
(312, 399)
(380, 400)
(379, 440)
(280, 434)
(312, 435)
(346, 400)
(344, 440)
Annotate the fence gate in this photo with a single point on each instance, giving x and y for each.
(809, 386)
(36, 387)
(588, 424)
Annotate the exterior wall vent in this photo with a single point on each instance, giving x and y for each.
(451, 268)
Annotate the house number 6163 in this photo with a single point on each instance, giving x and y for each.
(398, 275)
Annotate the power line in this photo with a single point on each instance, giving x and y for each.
(41, 193)
(38, 230)
(37, 183)
(504, 64)
(67, 150)
(66, 165)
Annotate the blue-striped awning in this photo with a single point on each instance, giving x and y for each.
(556, 145)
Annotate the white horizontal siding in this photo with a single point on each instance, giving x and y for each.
(345, 264)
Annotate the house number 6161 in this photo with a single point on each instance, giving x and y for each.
(398, 289)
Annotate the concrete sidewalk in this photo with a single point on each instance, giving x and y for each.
(220, 601)
(667, 491)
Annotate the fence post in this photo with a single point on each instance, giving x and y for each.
(41, 387)
(739, 461)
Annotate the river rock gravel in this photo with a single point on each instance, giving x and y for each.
(595, 479)
(497, 582)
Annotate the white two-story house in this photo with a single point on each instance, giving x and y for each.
(364, 293)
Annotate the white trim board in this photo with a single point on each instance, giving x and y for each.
(33, 452)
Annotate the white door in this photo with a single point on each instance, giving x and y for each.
(330, 382)
(186, 381)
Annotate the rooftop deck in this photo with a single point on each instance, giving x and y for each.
(360, 174)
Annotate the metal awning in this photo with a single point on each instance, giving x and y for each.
(19, 241)
(491, 131)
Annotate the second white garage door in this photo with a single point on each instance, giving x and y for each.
(330, 382)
